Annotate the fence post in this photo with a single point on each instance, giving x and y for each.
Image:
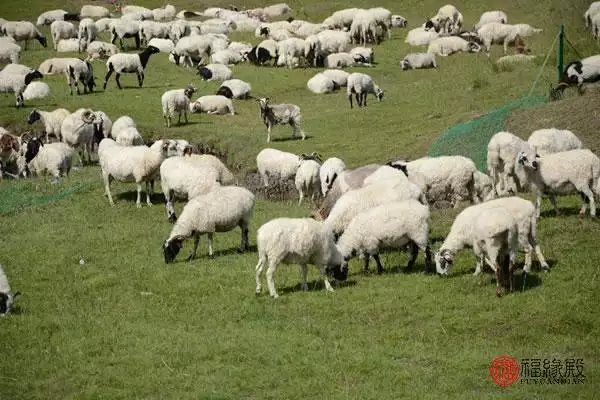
(561, 51)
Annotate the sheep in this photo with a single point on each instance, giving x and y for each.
(553, 141)
(217, 25)
(365, 54)
(495, 32)
(235, 89)
(361, 85)
(80, 71)
(53, 66)
(192, 48)
(276, 164)
(16, 83)
(445, 46)
(321, 83)
(226, 57)
(131, 163)
(46, 18)
(105, 24)
(165, 13)
(491, 16)
(264, 28)
(563, 173)
(143, 12)
(151, 29)
(16, 69)
(263, 52)
(307, 179)
(7, 296)
(344, 60)
(276, 34)
(106, 122)
(398, 21)
(502, 152)
(52, 157)
(23, 30)
(592, 10)
(86, 33)
(580, 72)
(341, 19)
(176, 100)
(483, 187)
(246, 24)
(280, 114)
(418, 61)
(224, 176)
(102, 50)
(215, 72)
(164, 45)
(383, 18)
(9, 52)
(491, 232)
(307, 29)
(329, 170)
(69, 45)
(276, 10)
(94, 12)
(61, 30)
(52, 120)
(448, 20)
(297, 240)
(364, 28)
(324, 43)
(290, 52)
(212, 104)
(395, 225)
(36, 90)
(420, 37)
(122, 28)
(128, 63)
(239, 47)
(339, 77)
(220, 210)
(124, 132)
(80, 130)
(179, 29)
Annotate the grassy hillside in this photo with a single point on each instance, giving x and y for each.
(125, 325)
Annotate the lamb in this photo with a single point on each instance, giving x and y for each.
(164, 45)
(16, 83)
(215, 72)
(122, 28)
(226, 57)
(48, 17)
(94, 12)
(7, 297)
(52, 157)
(339, 77)
(61, 30)
(235, 89)
(495, 32)
(280, 114)
(212, 104)
(491, 16)
(9, 52)
(420, 37)
(131, 163)
(445, 46)
(321, 83)
(128, 63)
(23, 30)
(80, 129)
(220, 210)
(418, 61)
(52, 120)
(307, 179)
(448, 21)
(297, 240)
(328, 172)
(554, 141)
(341, 19)
(563, 173)
(493, 237)
(87, 33)
(176, 100)
(361, 85)
(276, 164)
(165, 13)
(502, 152)
(395, 225)
(98, 50)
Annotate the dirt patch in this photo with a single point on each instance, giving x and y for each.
(276, 191)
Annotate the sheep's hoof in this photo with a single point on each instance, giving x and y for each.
(138, 205)
(211, 256)
(54, 182)
(275, 296)
(498, 292)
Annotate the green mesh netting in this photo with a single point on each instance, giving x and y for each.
(470, 139)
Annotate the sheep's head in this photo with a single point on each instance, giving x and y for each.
(171, 248)
(33, 117)
(176, 57)
(399, 165)
(378, 93)
(195, 107)
(88, 116)
(263, 102)
(6, 302)
(473, 47)
(205, 73)
(152, 50)
(33, 148)
(528, 159)
(429, 25)
(443, 260)
(573, 74)
(405, 64)
(338, 271)
(189, 91)
(264, 31)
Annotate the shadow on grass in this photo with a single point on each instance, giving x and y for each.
(565, 212)
(131, 196)
(317, 285)
(289, 138)
(202, 254)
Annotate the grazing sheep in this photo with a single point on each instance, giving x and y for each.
(215, 72)
(128, 63)
(124, 132)
(502, 152)
(341, 19)
(491, 232)
(339, 77)
(95, 12)
(164, 45)
(101, 50)
(80, 129)
(280, 114)
(193, 49)
(9, 52)
(564, 173)
(328, 172)
(554, 141)
(484, 187)
(276, 164)
(124, 29)
(235, 89)
(36, 90)
(592, 10)
(224, 176)
(321, 83)
(220, 210)
(445, 46)
(276, 34)
(176, 100)
(391, 225)
(52, 120)
(7, 296)
(55, 158)
(239, 47)
(487, 17)
(62, 30)
(105, 24)
(297, 240)
(179, 29)
(16, 83)
(48, 17)
(361, 85)
(496, 32)
(398, 21)
(87, 33)
(307, 179)
(212, 104)
(418, 61)
(23, 30)
(420, 37)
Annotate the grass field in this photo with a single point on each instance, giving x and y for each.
(125, 325)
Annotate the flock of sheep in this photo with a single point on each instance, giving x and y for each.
(365, 209)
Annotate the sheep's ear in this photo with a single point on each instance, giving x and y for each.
(302, 156)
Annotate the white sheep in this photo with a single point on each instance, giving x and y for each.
(361, 85)
(52, 120)
(23, 30)
(87, 33)
(62, 30)
(564, 173)
(240, 47)
(554, 140)
(321, 83)
(224, 176)
(307, 179)
(128, 63)
(226, 57)
(193, 49)
(7, 296)
(491, 16)
(300, 241)
(164, 45)
(280, 114)
(176, 101)
(16, 69)
(495, 32)
(398, 21)
(46, 18)
(447, 21)
(79, 129)
(212, 104)
(80, 71)
(420, 37)
(246, 24)
(55, 158)
(95, 12)
(36, 90)
(122, 29)
(328, 172)
(121, 123)
(179, 29)
(515, 59)
(341, 19)
(383, 17)
(105, 121)
(277, 10)
(9, 52)
(235, 89)
(364, 54)
(447, 45)
(483, 186)
(263, 52)
(220, 210)
(149, 30)
(343, 60)
(290, 52)
(306, 29)
(364, 28)
(165, 13)
(491, 232)
(418, 61)
(592, 10)
(339, 77)
(105, 24)
(215, 72)
(68, 45)
(144, 12)
(390, 225)
(276, 164)
(98, 50)
(324, 43)
(582, 71)
(16, 83)
(502, 152)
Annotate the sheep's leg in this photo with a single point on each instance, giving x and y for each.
(117, 78)
(185, 116)
(590, 197)
(168, 118)
(303, 276)
(270, 282)
(364, 96)
(179, 118)
(245, 244)
(211, 253)
(138, 202)
(323, 270)
(195, 248)
(350, 100)
(268, 133)
(506, 45)
(511, 266)
(498, 279)
(553, 201)
(378, 261)
(141, 82)
(413, 252)
(106, 177)
(428, 259)
(367, 258)
(171, 215)
(301, 197)
(149, 191)
(538, 205)
(265, 178)
(262, 260)
(108, 74)
(139, 78)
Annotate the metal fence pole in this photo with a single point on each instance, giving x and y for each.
(561, 51)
